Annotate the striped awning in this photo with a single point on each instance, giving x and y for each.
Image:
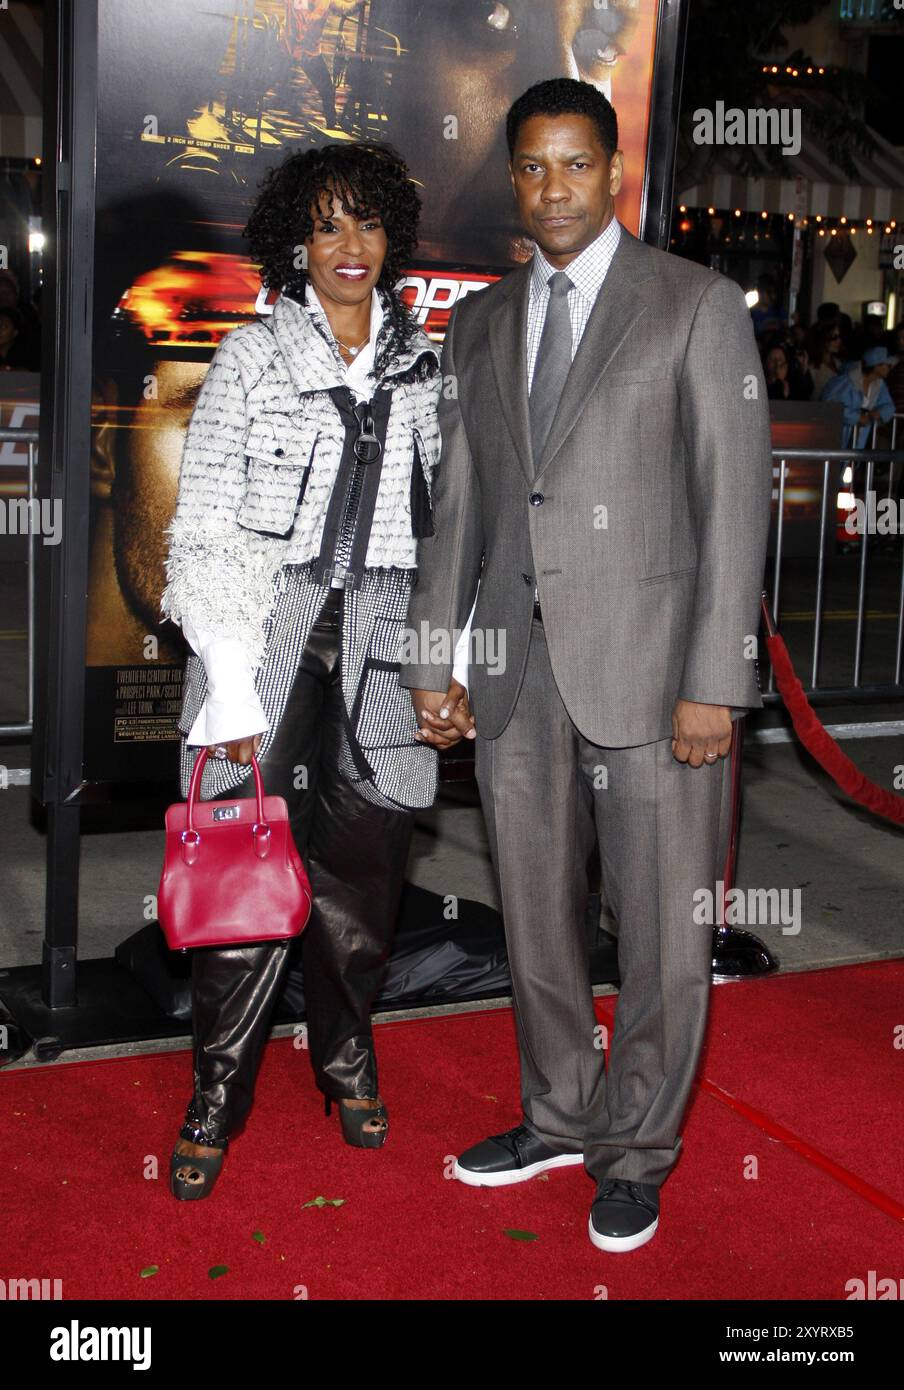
(21, 48)
(813, 184)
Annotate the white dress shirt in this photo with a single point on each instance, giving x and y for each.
(232, 709)
(587, 273)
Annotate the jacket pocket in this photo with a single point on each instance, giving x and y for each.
(278, 454)
(665, 578)
(653, 375)
(383, 714)
(422, 466)
(381, 731)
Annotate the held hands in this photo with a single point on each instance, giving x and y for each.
(700, 733)
(240, 750)
(443, 719)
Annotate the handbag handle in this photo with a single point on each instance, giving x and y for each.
(260, 826)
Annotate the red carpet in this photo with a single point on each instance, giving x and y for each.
(801, 1076)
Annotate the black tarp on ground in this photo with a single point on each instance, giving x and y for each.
(434, 960)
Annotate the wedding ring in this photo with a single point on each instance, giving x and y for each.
(220, 750)
(710, 757)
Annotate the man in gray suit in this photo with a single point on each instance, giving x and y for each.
(604, 490)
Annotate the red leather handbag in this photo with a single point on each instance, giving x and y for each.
(232, 874)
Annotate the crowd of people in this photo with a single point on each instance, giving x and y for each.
(20, 329)
(831, 360)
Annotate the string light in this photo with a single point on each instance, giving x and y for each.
(793, 72)
(825, 225)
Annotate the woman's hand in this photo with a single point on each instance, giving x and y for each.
(240, 750)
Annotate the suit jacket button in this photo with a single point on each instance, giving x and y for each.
(536, 499)
(280, 453)
(528, 578)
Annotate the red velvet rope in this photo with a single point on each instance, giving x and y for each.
(820, 744)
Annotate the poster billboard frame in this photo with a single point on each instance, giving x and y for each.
(70, 126)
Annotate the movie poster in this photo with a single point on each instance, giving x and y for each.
(196, 99)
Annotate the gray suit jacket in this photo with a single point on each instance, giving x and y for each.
(647, 531)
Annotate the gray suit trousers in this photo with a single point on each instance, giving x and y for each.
(662, 829)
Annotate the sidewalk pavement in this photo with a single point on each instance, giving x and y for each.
(797, 832)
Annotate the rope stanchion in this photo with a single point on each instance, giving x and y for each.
(817, 740)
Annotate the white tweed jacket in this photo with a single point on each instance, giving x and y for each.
(261, 455)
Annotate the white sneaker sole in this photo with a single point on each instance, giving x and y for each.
(513, 1175)
(618, 1244)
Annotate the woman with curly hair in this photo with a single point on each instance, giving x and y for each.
(306, 483)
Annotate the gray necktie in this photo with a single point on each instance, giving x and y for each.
(553, 362)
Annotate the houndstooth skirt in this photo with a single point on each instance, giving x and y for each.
(380, 755)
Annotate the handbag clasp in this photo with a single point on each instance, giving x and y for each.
(191, 840)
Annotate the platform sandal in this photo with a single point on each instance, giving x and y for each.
(353, 1122)
(198, 1173)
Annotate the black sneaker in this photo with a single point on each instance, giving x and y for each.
(511, 1157)
(624, 1214)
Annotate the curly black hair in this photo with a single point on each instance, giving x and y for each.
(365, 178)
(564, 96)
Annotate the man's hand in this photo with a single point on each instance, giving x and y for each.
(240, 750)
(700, 733)
(444, 718)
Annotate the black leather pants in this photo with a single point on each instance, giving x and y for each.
(355, 853)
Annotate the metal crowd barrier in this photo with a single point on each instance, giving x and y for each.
(30, 439)
(834, 462)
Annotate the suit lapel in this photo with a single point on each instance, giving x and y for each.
(617, 308)
(508, 354)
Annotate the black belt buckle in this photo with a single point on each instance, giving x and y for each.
(538, 614)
